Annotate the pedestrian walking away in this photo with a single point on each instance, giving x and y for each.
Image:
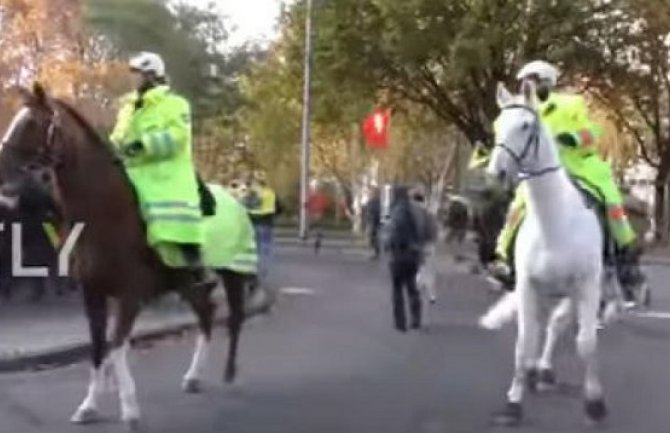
(405, 244)
(426, 275)
(373, 220)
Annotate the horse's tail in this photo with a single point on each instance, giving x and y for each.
(500, 313)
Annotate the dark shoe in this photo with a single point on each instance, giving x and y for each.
(629, 272)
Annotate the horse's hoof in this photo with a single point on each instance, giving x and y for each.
(596, 410)
(86, 416)
(192, 386)
(132, 425)
(532, 380)
(509, 416)
(546, 380)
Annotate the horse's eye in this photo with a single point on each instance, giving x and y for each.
(525, 126)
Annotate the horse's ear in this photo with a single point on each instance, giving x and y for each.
(40, 94)
(503, 96)
(528, 92)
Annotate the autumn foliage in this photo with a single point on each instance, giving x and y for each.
(46, 40)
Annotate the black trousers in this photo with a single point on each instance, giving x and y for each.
(374, 239)
(403, 274)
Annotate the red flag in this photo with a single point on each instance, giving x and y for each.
(376, 128)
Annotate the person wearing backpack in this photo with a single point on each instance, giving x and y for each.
(405, 245)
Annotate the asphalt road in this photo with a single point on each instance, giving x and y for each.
(327, 360)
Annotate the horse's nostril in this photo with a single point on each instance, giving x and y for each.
(502, 175)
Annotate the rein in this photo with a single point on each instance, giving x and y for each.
(532, 145)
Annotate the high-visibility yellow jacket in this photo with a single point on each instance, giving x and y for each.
(162, 172)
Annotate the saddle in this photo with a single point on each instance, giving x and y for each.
(596, 201)
(207, 200)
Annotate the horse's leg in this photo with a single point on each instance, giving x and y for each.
(96, 313)
(525, 355)
(204, 309)
(235, 285)
(558, 322)
(587, 346)
(130, 410)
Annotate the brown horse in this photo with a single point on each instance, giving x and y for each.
(51, 143)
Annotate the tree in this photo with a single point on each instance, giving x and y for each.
(190, 39)
(627, 62)
(44, 40)
(446, 56)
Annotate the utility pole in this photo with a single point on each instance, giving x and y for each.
(304, 175)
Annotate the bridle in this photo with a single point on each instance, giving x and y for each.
(532, 146)
(49, 157)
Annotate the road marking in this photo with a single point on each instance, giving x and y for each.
(652, 314)
(297, 291)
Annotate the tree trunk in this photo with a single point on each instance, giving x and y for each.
(661, 203)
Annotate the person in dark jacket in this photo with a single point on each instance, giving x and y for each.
(406, 240)
(373, 220)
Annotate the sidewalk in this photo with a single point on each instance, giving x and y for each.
(55, 331)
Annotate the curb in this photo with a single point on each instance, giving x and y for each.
(69, 354)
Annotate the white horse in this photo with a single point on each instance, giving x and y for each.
(558, 251)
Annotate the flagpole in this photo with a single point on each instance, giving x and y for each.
(304, 175)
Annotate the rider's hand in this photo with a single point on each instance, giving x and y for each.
(567, 139)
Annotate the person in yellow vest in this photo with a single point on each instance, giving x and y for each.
(263, 206)
(566, 117)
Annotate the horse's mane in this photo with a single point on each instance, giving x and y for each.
(103, 144)
(86, 126)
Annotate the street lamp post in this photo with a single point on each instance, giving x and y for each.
(304, 175)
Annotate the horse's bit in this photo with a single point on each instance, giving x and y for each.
(532, 144)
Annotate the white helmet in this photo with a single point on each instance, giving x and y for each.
(543, 70)
(148, 62)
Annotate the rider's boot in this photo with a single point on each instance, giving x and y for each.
(501, 269)
(502, 273)
(202, 278)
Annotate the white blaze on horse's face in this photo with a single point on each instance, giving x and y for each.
(514, 128)
(19, 119)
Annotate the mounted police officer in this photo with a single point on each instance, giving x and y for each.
(566, 117)
(153, 136)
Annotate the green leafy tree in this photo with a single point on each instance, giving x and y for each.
(626, 60)
(446, 56)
